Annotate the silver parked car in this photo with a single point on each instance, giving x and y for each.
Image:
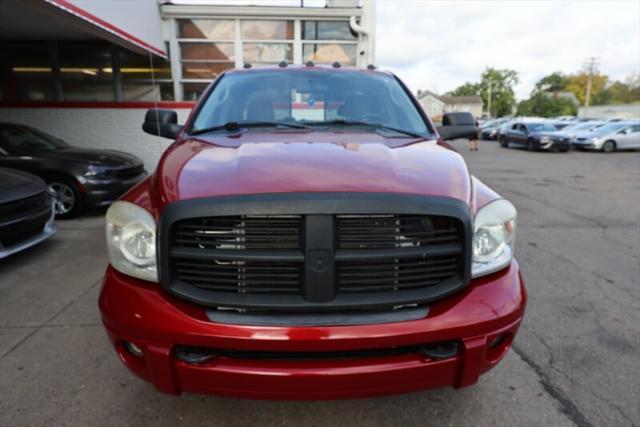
(610, 137)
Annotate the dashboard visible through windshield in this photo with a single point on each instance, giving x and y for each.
(310, 98)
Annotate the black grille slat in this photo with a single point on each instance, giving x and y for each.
(390, 231)
(312, 262)
(240, 232)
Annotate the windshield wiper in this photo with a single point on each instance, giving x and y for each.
(380, 126)
(233, 126)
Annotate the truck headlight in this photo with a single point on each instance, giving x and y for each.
(494, 234)
(131, 240)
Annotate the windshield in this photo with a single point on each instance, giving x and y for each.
(541, 127)
(582, 126)
(611, 127)
(310, 97)
(23, 140)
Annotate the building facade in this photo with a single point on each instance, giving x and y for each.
(82, 70)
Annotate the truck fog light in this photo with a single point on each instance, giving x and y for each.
(440, 350)
(195, 355)
(133, 349)
(496, 341)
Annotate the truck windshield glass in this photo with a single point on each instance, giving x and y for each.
(310, 97)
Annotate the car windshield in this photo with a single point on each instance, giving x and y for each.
(582, 126)
(611, 127)
(310, 98)
(24, 141)
(541, 127)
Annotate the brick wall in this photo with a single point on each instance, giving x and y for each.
(111, 128)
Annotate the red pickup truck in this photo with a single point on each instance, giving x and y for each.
(310, 235)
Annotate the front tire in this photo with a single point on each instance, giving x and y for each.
(609, 147)
(67, 198)
(504, 143)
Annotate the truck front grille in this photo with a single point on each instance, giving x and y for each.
(322, 255)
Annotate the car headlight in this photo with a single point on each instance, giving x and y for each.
(545, 139)
(494, 235)
(131, 240)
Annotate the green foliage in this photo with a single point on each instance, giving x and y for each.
(502, 94)
(554, 82)
(467, 89)
(543, 104)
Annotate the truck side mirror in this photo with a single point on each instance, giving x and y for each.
(161, 122)
(458, 125)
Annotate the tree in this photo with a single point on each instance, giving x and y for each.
(554, 82)
(501, 83)
(578, 86)
(545, 104)
(467, 89)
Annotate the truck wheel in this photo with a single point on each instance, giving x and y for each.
(68, 202)
(609, 147)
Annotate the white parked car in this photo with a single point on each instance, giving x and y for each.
(610, 137)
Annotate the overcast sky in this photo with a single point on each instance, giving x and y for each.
(439, 45)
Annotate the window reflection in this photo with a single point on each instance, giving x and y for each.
(26, 72)
(267, 53)
(212, 29)
(266, 30)
(327, 30)
(327, 53)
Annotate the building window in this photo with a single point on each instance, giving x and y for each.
(144, 78)
(207, 48)
(326, 53)
(192, 91)
(267, 53)
(266, 30)
(210, 29)
(86, 71)
(325, 42)
(26, 72)
(328, 30)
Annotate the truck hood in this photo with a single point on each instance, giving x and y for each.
(273, 162)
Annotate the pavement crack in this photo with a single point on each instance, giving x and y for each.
(567, 406)
(56, 314)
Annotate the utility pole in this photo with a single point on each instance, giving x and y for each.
(489, 100)
(591, 65)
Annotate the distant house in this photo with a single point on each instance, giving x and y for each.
(431, 104)
(436, 105)
(469, 104)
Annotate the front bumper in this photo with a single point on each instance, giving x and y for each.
(555, 145)
(102, 192)
(142, 313)
(49, 230)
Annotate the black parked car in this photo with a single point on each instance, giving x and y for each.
(535, 136)
(26, 211)
(78, 177)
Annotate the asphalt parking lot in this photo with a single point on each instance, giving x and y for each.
(576, 360)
